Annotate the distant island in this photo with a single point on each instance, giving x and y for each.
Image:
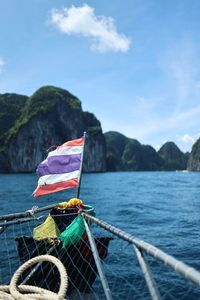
(125, 154)
(30, 125)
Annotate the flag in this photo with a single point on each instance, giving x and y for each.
(61, 169)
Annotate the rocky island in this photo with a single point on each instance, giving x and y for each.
(51, 116)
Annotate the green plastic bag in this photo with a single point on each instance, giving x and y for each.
(74, 232)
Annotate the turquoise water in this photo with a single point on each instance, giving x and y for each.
(162, 208)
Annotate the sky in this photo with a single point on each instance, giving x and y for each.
(135, 64)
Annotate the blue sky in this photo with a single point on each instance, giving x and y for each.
(135, 64)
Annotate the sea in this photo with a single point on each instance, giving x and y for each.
(161, 208)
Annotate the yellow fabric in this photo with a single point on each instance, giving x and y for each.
(72, 202)
(62, 205)
(48, 229)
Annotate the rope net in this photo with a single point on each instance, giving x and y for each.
(126, 280)
(21, 242)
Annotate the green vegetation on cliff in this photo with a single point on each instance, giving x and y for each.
(92, 125)
(11, 107)
(174, 158)
(196, 150)
(194, 158)
(30, 125)
(115, 144)
(42, 101)
(47, 97)
(125, 154)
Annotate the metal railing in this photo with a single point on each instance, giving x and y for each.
(141, 248)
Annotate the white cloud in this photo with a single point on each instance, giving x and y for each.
(151, 125)
(187, 140)
(100, 30)
(2, 63)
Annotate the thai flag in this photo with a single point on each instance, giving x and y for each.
(61, 169)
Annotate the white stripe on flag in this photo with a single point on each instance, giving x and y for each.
(66, 150)
(54, 178)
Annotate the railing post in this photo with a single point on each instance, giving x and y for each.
(155, 295)
(98, 262)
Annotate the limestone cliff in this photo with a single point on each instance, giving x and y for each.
(125, 154)
(49, 117)
(11, 106)
(174, 158)
(194, 158)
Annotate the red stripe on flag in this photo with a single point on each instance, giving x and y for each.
(78, 142)
(55, 187)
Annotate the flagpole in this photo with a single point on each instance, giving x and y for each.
(81, 166)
